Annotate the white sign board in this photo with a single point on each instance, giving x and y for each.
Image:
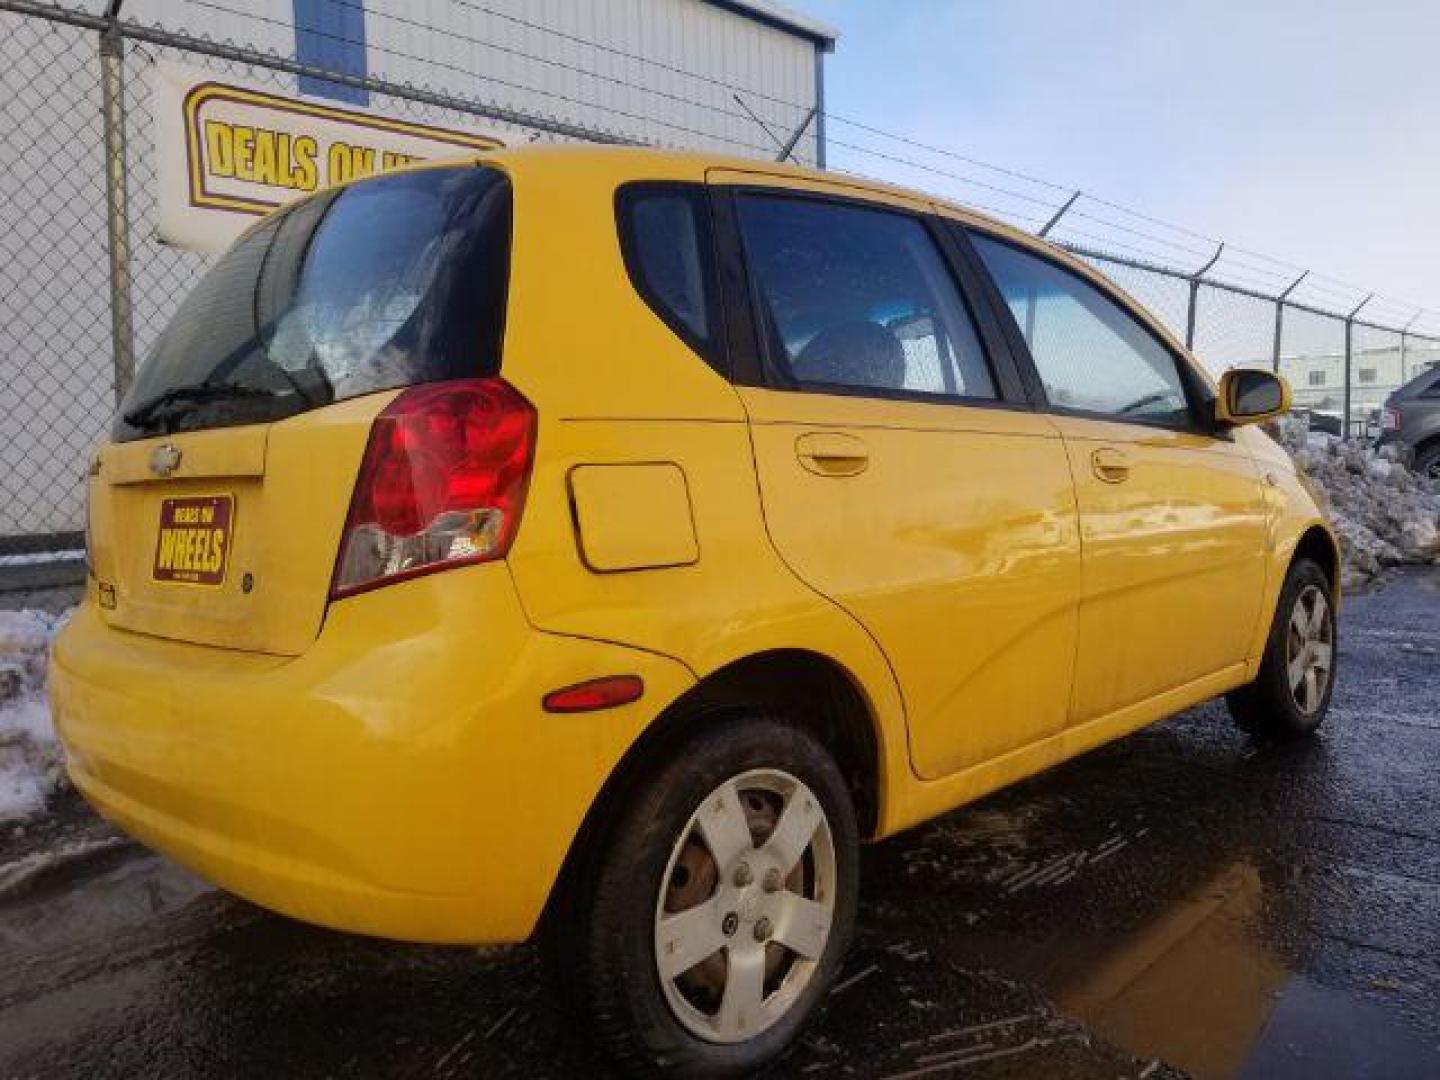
(227, 153)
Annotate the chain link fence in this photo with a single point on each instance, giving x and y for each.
(57, 392)
(63, 354)
(1340, 368)
(68, 317)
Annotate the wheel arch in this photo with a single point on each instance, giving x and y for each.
(788, 682)
(1425, 444)
(1318, 544)
(1305, 535)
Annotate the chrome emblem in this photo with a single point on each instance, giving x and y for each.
(164, 459)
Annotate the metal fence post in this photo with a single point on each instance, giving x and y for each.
(1349, 324)
(1280, 320)
(1404, 334)
(1349, 352)
(117, 203)
(1279, 330)
(1195, 296)
(1055, 217)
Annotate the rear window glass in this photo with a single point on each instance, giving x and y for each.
(665, 233)
(392, 281)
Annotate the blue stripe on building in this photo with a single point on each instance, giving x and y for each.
(331, 34)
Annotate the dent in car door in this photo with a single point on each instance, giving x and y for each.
(945, 526)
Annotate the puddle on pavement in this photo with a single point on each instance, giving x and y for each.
(1195, 988)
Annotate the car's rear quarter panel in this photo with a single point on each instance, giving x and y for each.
(613, 385)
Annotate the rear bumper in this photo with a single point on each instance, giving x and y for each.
(399, 778)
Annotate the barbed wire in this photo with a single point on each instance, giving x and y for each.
(493, 79)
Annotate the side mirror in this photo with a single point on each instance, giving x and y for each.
(1248, 396)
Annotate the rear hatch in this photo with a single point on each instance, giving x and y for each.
(217, 509)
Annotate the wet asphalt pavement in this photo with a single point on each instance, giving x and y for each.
(1185, 901)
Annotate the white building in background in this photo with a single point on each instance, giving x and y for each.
(1318, 379)
(659, 71)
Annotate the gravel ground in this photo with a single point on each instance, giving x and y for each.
(1182, 901)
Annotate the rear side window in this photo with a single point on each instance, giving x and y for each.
(1092, 355)
(859, 298)
(390, 282)
(666, 239)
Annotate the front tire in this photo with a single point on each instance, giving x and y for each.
(718, 912)
(1291, 694)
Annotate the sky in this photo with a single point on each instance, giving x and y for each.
(1302, 129)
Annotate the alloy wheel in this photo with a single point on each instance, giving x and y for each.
(746, 906)
(1310, 649)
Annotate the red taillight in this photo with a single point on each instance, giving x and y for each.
(1389, 419)
(442, 483)
(603, 693)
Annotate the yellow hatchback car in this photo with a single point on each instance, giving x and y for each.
(604, 542)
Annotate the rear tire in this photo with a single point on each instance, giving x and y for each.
(714, 918)
(1291, 694)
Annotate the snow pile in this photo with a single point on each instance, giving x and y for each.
(29, 755)
(1384, 514)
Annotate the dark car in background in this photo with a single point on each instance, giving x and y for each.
(1410, 422)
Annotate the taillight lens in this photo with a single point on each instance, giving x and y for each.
(1389, 419)
(442, 483)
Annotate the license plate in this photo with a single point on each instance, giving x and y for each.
(193, 547)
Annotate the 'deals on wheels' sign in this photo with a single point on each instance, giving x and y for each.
(227, 152)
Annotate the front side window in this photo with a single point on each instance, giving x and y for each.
(392, 281)
(1091, 354)
(859, 298)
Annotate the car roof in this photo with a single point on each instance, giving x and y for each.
(645, 162)
(1419, 384)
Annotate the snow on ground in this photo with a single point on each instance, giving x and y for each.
(29, 755)
(1384, 514)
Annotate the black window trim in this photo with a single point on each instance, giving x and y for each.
(757, 368)
(1199, 399)
(746, 363)
(713, 348)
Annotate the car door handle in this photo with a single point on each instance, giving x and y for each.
(831, 453)
(1110, 465)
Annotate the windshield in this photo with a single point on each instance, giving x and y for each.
(392, 281)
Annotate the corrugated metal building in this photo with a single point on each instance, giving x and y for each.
(654, 71)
